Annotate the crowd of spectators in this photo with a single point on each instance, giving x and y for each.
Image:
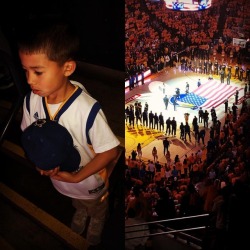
(156, 37)
(194, 185)
(219, 182)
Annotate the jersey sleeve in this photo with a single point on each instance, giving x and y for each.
(101, 135)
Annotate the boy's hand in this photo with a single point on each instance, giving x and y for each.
(64, 176)
(49, 173)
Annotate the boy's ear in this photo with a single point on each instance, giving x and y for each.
(69, 68)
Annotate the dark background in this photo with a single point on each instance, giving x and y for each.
(100, 24)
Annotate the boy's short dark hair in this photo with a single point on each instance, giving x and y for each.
(55, 37)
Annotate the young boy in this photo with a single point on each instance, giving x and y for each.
(47, 52)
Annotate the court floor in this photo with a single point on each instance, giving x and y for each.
(152, 93)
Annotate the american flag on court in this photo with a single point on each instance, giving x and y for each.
(210, 94)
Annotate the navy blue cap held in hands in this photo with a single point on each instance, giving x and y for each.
(48, 145)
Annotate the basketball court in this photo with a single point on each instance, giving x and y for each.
(152, 92)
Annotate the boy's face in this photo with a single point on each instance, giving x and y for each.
(44, 76)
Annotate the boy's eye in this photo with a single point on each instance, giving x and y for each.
(38, 73)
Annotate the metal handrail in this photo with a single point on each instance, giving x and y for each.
(168, 232)
(172, 231)
(173, 219)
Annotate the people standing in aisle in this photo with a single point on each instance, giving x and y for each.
(187, 87)
(131, 117)
(137, 117)
(133, 155)
(218, 127)
(151, 119)
(146, 107)
(156, 121)
(199, 83)
(127, 114)
(136, 105)
(161, 122)
(195, 121)
(187, 132)
(205, 119)
(176, 159)
(158, 168)
(226, 105)
(205, 67)
(139, 151)
(241, 73)
(196, 131)
(216, 67)
(166, 100)
(212, 133)
(234, 110)
(210, 64)
(201, 136)
(214, 119)
(154, 154)
(145, 118)
(136, 79)
(223, 67)
(213, 113)
(151, 170)
(182, 131)
(177, 93)
(175, 175)
(200, 115)
(229, 68)
(166, 60)
(245, 90)
(131, 82)
(189, 65)
(195, 65)
(168, 158)
(236, 97)
(222, 75)
(185, 164)
(165, 145)
(139, 106)
(174, 125)
(168, 126)
(247, 78)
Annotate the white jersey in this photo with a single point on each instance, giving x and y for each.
(74, 116)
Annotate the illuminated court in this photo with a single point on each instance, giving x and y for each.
(152, 92)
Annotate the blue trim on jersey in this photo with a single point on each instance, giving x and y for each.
(28, 101)
(45, 108)
(67, 104)
(64, 107)
(92, 114)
